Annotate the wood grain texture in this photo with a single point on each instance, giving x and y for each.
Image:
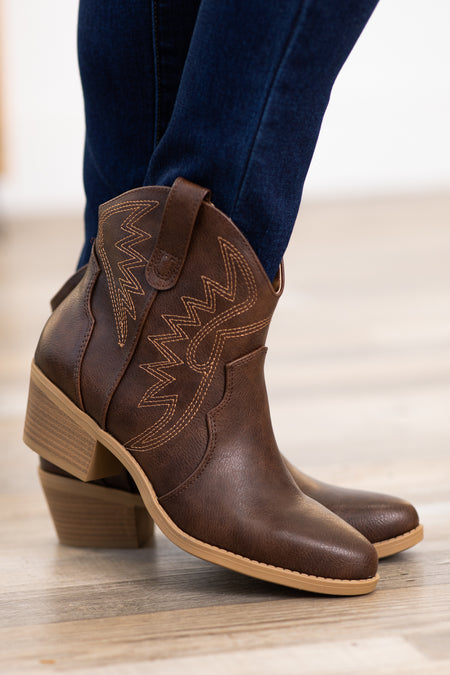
(359, 381)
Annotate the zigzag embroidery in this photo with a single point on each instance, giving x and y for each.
(212, 290)
(127, 284)
(151, 397)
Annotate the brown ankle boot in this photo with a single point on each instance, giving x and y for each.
(154, 363)
(391, 524)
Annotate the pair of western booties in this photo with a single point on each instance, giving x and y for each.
(148, 385)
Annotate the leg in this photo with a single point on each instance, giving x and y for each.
(262, 75)
(131, 56)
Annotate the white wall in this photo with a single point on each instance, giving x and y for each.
(43, 107)
(386, 128)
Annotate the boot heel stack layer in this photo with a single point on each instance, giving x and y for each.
(90, 515)
(52, 431)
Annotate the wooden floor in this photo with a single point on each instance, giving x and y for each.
(359, 380)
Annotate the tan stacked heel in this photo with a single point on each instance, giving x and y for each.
(90, 515)
(54, 432)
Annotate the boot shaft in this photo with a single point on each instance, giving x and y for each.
(172, 293)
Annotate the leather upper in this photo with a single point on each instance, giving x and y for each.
(162, 343)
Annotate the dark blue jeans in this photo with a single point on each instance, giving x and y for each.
(230, 95)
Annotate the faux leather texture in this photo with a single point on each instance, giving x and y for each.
(63, 341)
(253, 506)
(176, 375)
(377, 516)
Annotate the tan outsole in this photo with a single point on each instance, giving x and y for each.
(400, 543)
(49, 408)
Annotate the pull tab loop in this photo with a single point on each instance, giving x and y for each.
(180, 213)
